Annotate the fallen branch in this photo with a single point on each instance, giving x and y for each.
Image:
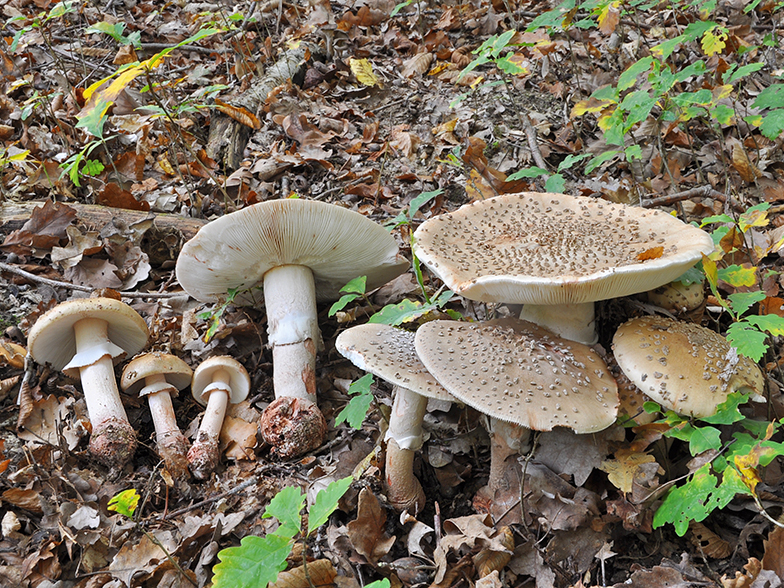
(700, 192)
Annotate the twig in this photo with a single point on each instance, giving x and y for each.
(249, 482)
(700, 192)
(25, 399)
(530, 134)
(6, 267)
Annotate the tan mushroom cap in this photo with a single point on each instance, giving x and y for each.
(547, 249)
(337, 244)
(203, 374)
(677, 296)
(518, 372)
(175, 370)
(389, 353)
(52, 338)
(684, 367)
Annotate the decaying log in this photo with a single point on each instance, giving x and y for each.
(228, 137)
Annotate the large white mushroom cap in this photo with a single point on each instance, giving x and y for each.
(520, 373)
(684, 367)
(337, 244)
(548, 249)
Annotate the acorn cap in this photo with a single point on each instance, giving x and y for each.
(548, 249)
(389, 353)
(337, 244)
(52, 339)
(684, 367)
(518, 372)
(176, 371)
(203, 374)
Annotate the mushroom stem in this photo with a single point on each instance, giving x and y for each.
(172, 444)
(113, 439)
(575, 322)
(205, 452)
(404, 437)
(290, 299)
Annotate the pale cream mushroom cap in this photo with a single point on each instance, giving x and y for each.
(337, 244)
(202, 378)
(684, 367)
(175, 370)
(548, 249)
(518, 372)
(389, 353)
(52, 339)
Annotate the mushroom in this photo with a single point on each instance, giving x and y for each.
(159, 376)
(678, 296)
(684, 367)
(301, 251)
(517, 372)
(83, 338)
(557, 254)
(389, 353)
(216, 382)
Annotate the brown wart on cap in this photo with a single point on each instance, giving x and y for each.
(517, 372)
(159, 376)
(389, 353)
(216, 382)
(557, 254)
(684, 367)
(84, 338)
(301, 251)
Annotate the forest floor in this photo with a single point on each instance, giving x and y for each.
(382, 108)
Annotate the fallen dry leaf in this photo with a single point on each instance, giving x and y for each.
(774, 552)
(708, 542)
(629, 468)
(319, 574)
(143, 557)
(367, 532)
(418, 64)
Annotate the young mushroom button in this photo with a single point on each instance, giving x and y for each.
(216, 382)
(557, 254)
(684, 367)
(389, 353)
(84, 338)
(301, 252)
(159, 376)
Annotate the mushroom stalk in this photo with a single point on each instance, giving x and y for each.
(205, 452)
(290, 300)
(404, 437)
(172, 444)
(575, 322)
(113, 439)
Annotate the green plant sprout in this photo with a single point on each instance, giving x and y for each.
(80, 164)
(732, 470)
(257, 561)
(214, 315)
(115, 31)
(357, 408)
(57, 11)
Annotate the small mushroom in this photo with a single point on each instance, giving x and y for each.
(216, 382)
(389, 353)
(301, 251)
(83, 338)
(678, 297)
(159, 376)
(517, 372)
(557, 254)
(684, 367)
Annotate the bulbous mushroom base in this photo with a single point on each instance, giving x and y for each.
(173, 448)
(113, 442)
(502, 502)
(404, 491)
(293, 426)
(204, 456)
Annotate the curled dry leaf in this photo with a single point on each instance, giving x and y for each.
(241, 115)
(320, 574)
(366, 532)
(12, 354)
(418, 64)
(489, 561)
(708, 542)
(753, 569)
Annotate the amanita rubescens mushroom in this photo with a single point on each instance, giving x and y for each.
(389, 353)
(301, 251)
(84, 338)
(557, 254)
(684, 367)
(159, 376)
(517, 372)
(216, 382)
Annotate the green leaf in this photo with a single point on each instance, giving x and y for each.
(570, 160)
(125, 502)
(665, 49)
(687, 503)
(357, 285)
(736, 275)
(256, 563)
(744, 70)
(286, 506)
(773, 124)
(748, 341)
(742, 301)
(92, 167)
(722, 114)
(383, 583)
(717, 218)
(600, 159)
(627, 79)
(703, 439)
(552, 18)
(341, 303)
(555, 184)
(529, 172)
(94, 119)
(633, 152)
(690, 276)
(772, 323)
(326, 502)
(395, 314)
(727, 412)
(770, 97)
(115, 31)
(419, 201)
(356, 409)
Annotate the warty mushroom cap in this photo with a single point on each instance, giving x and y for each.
(389, 353)
(52, 339)
(548, 249)
(518, 372)
(337, 244)
(177, 373)
(202, 378)
(684, 367)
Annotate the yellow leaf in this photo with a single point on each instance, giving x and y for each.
(363, 70)
(590, 105)
(746, 465)
(622, 471)
(714, 42)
